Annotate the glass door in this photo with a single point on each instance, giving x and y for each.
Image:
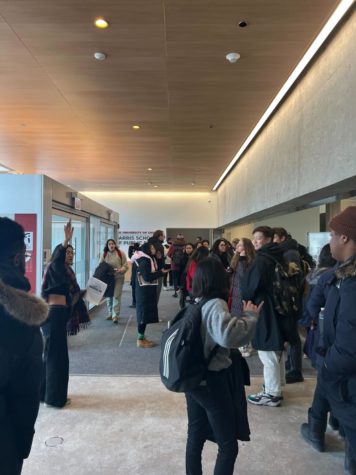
(79, 241)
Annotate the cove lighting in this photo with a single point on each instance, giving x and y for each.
(4, 169)
(333, 21)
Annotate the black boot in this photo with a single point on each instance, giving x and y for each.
(350, 462)
(333, 422)
(294, 376)
(314, 432)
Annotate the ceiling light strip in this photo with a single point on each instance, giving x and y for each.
(335, 18)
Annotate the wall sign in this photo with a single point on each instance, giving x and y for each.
(127, 237)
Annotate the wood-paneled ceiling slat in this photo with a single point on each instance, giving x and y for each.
(62, 111)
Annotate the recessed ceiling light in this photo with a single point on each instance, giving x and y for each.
(233, 57)
(100, 56)
(155, 186)
(193, 183)
(101, 23)
(149, 169)
(243, 23)
(136, 127)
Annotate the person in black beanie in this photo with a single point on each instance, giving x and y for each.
(20, 351)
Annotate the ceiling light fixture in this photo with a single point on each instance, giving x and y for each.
(329, 26)
(243, 23)
(233, 57)
(4, 169)
(155, 186)
(149, 169)
(101, 23)
(100, 56)
(136, 127)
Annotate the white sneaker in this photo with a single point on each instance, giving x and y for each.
(264, 399)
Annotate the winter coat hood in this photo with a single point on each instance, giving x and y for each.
(289, 244)
(272, 250)
(347, 269)
(14, 299)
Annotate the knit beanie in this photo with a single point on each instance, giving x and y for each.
(345, 223)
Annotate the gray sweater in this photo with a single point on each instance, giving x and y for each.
(219, 327)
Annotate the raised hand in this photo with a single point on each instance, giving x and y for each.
(251, 307)
(68, 233)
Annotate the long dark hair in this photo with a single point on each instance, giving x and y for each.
(215, 248)
(199, 254)
(106, 248)
(210, 280)
(325, 258)
(146, 248)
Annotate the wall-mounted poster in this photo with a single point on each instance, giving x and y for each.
(316, 241)
(29, 223)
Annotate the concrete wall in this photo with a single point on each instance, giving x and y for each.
(310, 142)
(23, 194)
(297, 224)
(150, 211)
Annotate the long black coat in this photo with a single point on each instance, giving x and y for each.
(146, 296)
(257, 285)
(338, 376)
(20, 367)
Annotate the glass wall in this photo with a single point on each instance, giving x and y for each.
(79, 240)
(89, 238)
(95, 244)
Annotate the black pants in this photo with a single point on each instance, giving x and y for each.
(350, 434)
(295, 353)
(176, 278)
(210, 415)
(10, 459)
(55, 357)
(320, 406)
(165, 279)
(133, 291)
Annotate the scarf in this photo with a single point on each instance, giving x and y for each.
(138, 254)
(79, 317)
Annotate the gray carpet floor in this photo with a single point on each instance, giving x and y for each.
(108, 349)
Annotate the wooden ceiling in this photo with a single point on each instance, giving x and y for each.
(69, 116)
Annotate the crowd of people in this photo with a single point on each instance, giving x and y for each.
(263, 294)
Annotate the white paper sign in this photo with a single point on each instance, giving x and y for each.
(95, 291)
(316, 241)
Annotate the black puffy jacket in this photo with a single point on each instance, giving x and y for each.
(338, 376)
(20, 366)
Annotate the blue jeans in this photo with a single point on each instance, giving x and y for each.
(211, 417)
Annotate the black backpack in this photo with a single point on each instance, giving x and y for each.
(177, 255)
(182, 363)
